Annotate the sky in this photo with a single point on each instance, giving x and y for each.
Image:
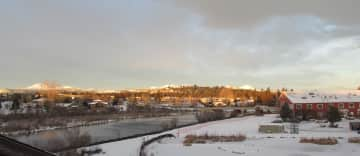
(307, 44)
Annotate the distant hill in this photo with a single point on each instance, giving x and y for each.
(46, 85)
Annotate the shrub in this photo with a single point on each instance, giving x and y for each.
(354, 140)
(259, 111)
(210, 115)
(235, 113)
(219, 114)
(75, 138)
(245, 111)
(173, 123)
(268, 111)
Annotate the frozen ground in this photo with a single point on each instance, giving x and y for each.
(257, 144)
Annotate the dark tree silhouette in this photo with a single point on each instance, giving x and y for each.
(333, 115)
(285, 112)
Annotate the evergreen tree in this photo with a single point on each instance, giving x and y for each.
(333, 115)
(285, 112)
(16, 102)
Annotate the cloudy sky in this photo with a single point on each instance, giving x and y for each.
(303, 44)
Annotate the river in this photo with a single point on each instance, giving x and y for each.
(56, 139)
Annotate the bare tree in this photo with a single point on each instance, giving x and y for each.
(226, 93)
(75, 138)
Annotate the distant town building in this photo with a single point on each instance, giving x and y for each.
(39, 102)
(122, 106)
(98, 104)
(6, 107)
(243, 102)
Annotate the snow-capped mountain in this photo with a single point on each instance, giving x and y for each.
(164, 86)
(44, 86)
(247, 87)
(244, 87)
(36, 86)
(50, 85)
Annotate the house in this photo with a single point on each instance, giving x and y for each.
(243, 102)
(122, 106)
(98, 104)
(199, 105)
(318, 102)
(218, 102)
(65, 105)
(167, 99)
(39, 102)
(205, 100)
(31, 107)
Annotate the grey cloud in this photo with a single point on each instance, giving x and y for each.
(243, 13)
(120, 44)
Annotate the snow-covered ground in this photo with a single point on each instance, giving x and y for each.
(256, 144)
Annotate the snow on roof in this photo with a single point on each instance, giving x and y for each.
(323, 97)
(39, 100)
(97, 101)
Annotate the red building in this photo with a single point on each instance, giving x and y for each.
(347, 103)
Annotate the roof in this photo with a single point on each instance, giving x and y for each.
(39, 100)
(98, 102)
(323, 97)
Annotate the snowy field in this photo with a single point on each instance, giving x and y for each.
(256, 144)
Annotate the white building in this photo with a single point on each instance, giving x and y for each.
(5, 107)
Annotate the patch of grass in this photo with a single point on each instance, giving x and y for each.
(320, 141)
(202, 139)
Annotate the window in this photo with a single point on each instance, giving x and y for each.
(298, 106)
(309, 106)
(341, 106)
(351, 105)
(320, 106)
